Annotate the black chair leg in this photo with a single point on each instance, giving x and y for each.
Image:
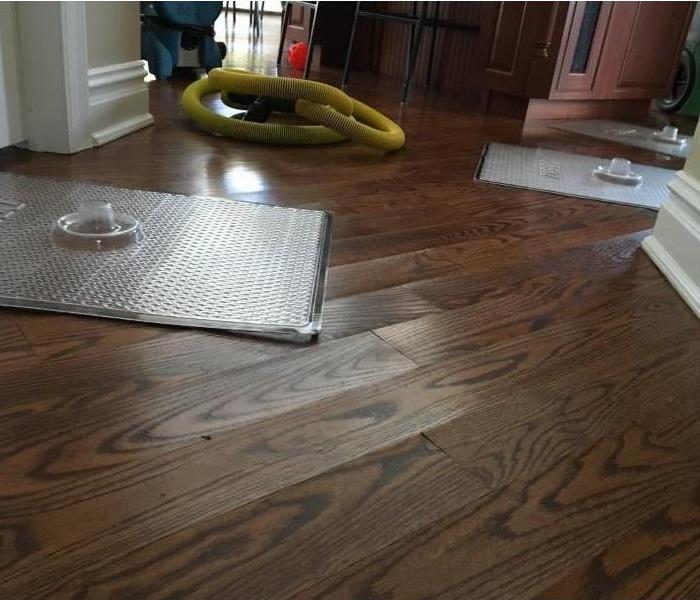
(312, 39)
(256, 20)
(433, 39)
(412, 59)
(285, 22)
(351, 42)
(411, 39)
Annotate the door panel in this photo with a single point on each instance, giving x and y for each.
(509, 36)
(643, 48)
(506, 37)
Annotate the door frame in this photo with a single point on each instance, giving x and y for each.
(53, 69)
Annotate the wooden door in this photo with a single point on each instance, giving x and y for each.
(508, 37)
(642, 48)
(520, 42)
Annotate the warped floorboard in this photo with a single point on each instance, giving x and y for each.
(502, 404)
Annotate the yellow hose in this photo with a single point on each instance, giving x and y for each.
(338, 116)
(243, 82)
(270, 133)
(379, 132)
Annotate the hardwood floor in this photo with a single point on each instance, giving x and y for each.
(503, 402)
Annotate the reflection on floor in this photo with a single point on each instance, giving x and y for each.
(246, 50)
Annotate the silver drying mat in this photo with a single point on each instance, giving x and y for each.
(203, 262)
(623, 133)
(569, 175)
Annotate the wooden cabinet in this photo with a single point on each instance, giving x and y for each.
(645, 43)
(540, 55)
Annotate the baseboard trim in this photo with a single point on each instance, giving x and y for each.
(674, 245)
(113, 132)
(101, 79)
(676, 275)
(686, 187)
(118, 101)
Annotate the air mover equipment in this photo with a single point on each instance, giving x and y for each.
(173, 31)
(335, 115)
(684, 96)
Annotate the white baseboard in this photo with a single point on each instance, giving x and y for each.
(674, 245)
(121, 129)
(677, 277)
(118, 101)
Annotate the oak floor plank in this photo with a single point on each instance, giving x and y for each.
(611, 241)
(271, 548)
(179, 411)
(132, 365)
(357, 225)
(374, 275)
(364, 312)
(87, 336)
(490, 255)
(493, 278)
(516, 542)
(673, 417)
(548, 421)
(660, 560)
(14, 346)
(444, 335)
(157, 496)
(538, 222)
(486, 282)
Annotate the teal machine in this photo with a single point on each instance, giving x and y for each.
(684, 97)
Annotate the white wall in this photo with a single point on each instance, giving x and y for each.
(113, 34)
(11, 129)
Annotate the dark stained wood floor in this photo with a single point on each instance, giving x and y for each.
(503, 403)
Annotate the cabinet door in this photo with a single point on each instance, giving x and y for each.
(580, 59)
(509, 31)
(642, 48)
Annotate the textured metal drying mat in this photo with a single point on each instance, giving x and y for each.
(624, 133)
(569, 175)
(204, 262)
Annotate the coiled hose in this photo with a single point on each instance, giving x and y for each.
(336, 115)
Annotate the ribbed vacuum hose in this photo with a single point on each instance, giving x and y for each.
(338, 116)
